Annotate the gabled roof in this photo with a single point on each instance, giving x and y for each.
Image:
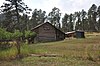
(46, 23)
(38, 26)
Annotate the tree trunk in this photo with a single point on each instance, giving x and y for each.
(18, 49)
(18, 43)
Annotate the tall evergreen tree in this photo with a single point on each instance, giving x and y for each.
(78, 22)
(54, 17)
(38, 17)
(24, 22)
(70, 24)
(74, 20)
(92, 15)
(98, 12)
(83, 16)
(16, 6)
(7, 22)
(65, 23)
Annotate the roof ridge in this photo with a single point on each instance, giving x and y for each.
(48, 23)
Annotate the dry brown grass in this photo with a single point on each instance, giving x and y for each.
(73, 52)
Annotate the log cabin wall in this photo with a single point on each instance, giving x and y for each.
(48, 32)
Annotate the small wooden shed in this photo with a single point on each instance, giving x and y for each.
(79, 34)
(47, 32)
(75, 34)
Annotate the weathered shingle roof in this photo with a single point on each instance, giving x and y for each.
(45, 23)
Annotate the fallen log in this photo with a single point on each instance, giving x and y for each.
(45, 55)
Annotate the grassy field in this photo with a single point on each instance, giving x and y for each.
(70, 52)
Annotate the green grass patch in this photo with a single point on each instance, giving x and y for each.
(10, 53)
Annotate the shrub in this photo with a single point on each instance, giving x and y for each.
(4, 34)
(5, 37)
(17, 34)
(29, 35)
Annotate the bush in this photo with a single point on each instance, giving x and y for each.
(17, 34)
(4, 34)
(29, 35)
(5, 37)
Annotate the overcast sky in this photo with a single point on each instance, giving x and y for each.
(66, 6)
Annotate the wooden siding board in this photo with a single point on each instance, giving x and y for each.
(47, 32)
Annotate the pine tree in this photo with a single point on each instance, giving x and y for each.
(83, 17)
(98, 13)
(78, 22)
(38, 17)
(16, 6)
(54, 17)
(65, 23)
(70, 22)
(92, 14)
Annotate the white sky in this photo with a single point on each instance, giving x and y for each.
(66, 6)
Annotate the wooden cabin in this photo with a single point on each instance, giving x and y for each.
(48, 32)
